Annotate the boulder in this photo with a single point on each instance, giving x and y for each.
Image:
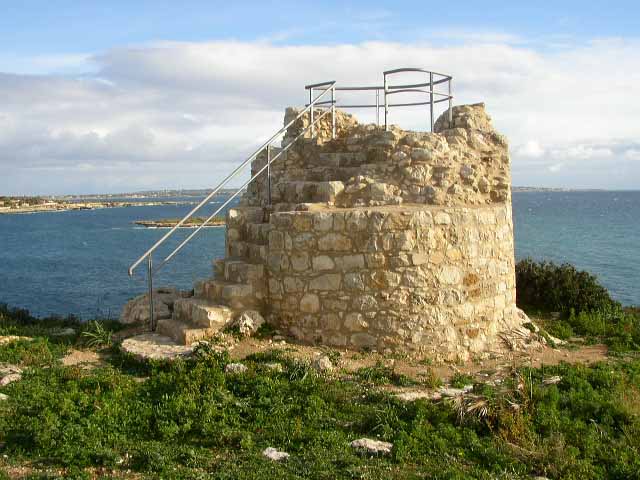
(322, 364)
(275, 455)
(235, 368)
(249, 322)
(373, 447)
(137, 309)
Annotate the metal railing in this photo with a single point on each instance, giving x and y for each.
(318, 109)
(428, 88)
(148, 255)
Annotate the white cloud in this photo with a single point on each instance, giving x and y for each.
(530, 149)
(182, 114)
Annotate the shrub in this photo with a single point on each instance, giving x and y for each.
(559, 288)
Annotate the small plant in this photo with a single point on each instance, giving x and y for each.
(97, 335)
(379, 374)
(459, 380)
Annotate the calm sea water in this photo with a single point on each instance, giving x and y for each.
(76, 262)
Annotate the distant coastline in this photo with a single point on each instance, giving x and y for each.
(172, 222)
(52, 206)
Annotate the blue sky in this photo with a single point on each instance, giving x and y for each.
(46, 27)
(96, 95)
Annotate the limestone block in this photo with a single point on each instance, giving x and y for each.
(328, 281)
(299, 261)
(334, 242)
(354, 281)
(350, 262)
(355, 322)
(310, 303)
(323, 262)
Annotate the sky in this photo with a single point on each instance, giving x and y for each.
(99, 97)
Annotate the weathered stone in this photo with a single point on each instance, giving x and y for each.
(249, 322)
(372, 447)
(137, 310)
(310, 303)
(235, 368)
(334, 242)
(355, 322)
(322, 363)
(275, 455)
(328, 281)
(323, 262)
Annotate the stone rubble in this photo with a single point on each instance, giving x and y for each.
(372, 447)
(9, 374)
(249, 322)
(275, 455)
(322, 363)
(235, 368)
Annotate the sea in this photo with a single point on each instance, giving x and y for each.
(75, 262)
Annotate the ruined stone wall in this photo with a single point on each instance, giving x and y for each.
(367, 166)
(431, 279)
(392, 239)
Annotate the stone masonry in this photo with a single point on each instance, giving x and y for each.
(377, 239)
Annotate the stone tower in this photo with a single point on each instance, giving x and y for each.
(376, 239)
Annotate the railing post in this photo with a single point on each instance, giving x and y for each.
(386, 104)
(150, 280)
(377, 107)
(333, 111)
(431, 98)
(311, 110)
(269, 173)
(450, 105)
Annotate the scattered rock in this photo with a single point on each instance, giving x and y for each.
(9, 374)
(322, 364)
(3, 397)
(455, 392)
(11, 338)
(374, 447)
(413, 396)
(275, 455)
(235, 368)
(151, 346)
(552, 380)
(274, 367)
(249, 322)
(7, 379)
(137, 309)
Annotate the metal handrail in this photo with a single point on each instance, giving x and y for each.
(314, 104)
(330, 87)
(435, 78)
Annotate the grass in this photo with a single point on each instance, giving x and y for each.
(190, 420)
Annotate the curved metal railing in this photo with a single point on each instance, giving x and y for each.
(427, 87)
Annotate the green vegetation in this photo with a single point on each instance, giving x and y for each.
(583, 306)
(191, 420)
(14, 202)
(558, 288)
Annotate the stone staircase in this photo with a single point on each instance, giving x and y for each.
(238, 282)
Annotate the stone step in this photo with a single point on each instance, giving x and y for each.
(250, 251)
(237, 217)
(238, 296)
(202, 313)
(257, 233)
(240, 271)
(183, 333)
